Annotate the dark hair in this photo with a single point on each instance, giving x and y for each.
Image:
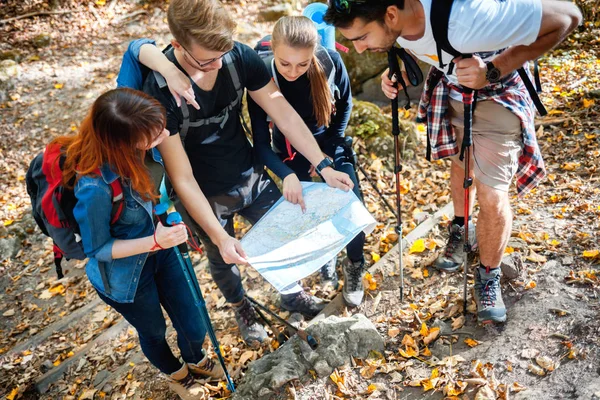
(117, 123)
(342, 13)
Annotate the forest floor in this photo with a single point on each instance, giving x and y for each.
(59, 341)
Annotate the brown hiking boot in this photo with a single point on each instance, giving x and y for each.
(207, 369)
(182, 382)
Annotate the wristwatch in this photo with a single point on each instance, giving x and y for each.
(493, 74)
(324, 164)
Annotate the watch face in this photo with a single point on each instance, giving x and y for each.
(493, 75)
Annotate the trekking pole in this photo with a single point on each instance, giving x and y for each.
(394, 69)
(312, 342)
(468, 96)
(171, 219)
(280, 336)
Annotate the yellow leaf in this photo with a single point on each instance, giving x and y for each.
(405, 186)
(535, 257)
(590, 136)
(413, 306)
(110, 75)
(471, 342)
(371, 282)
(371, 388)
(588, 103)
(509, 250)
(8, 222)
(433, 334)
(58, 85)
(375, 256)
(417, 247)
(424, 330)
(100, 2)
(427, 385)
(570, 166)
(426, 352)
(425, 273)
(421, 128)
(13, 393)
(56, 363)
(531, 285)
(555, 112)
(407, 340)
(70, 354)
(554, 242)
(591, 253)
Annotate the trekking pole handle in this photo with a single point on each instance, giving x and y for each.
(171, 219)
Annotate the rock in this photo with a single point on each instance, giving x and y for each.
(9, 247)
(9, 71)
(511, 266)
(100, 377)
(595, 94)
(14, 55)
(339, 339)
(568, 260)
(361, 67)
(41, 40)
(273, 13)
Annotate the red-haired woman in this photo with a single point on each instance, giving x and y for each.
(132, 264)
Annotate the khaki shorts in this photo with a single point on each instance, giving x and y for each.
(497, 142)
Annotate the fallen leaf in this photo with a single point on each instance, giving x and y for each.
(591, 253)
(371, 388)
(534, 369)
(13, 393)
(9, 313)
(546, 363)
(417, 247)
(516, 387)
(433, 334)
(247, 355)
(533, 256)
(88, 394)
(458, 322)
(471, 342)
(393, 332)
(587, 103)
(485, 393)
(530, 353)
(530, 285)
(58, 85)
(375, 256)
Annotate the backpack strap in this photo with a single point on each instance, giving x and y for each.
(329, 68)
(440, 20)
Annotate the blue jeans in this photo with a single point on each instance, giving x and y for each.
(162, 283)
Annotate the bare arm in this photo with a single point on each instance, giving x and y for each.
(180, 171)
(270, 99)
(559, 18)
(179, 84)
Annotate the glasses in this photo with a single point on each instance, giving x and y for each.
(344, 6)
(203, 64)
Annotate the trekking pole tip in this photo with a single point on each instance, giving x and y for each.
(312, 342)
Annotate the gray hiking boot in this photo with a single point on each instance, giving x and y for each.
(353, 290)
(303, 303)
(488, 296)
(454, 254)
(252, 331)
(329, 276)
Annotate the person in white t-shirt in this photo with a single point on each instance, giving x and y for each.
(502, 35)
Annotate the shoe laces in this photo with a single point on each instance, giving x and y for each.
(487, 292)
(187, 382)
(454, 241)
(303, 299)
(208, 365)
(355, 273)
(247, 313)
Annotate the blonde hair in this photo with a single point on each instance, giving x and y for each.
(203, 22)
(300, 32)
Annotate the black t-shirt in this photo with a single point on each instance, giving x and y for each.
(221, 157)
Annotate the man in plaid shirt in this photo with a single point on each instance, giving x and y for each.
(502, 35)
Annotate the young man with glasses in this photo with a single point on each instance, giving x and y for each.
(502, 35)
(210, 134)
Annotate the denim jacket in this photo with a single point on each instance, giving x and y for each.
(132, 72)
(93, 213)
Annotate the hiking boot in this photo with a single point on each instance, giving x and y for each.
(329, 276)
(454, 255)
(488, 296)
(353, 290)
(303, 303)
(252, 331)
(183, 383)
(207, 369)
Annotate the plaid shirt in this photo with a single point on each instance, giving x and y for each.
(511, 93)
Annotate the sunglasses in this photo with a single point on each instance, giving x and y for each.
(203, 64)
(344, 6)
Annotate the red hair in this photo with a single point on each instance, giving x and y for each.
(120, 124)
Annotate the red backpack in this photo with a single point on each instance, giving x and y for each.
(52, 204)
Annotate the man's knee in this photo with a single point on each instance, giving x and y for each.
(492, 200)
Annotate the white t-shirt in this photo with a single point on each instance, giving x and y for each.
(479, 26)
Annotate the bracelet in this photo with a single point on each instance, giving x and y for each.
(156, 245)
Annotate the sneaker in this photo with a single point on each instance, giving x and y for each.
(329, 276)
(183, 383)
(252, 331)
(454, 255)
(488, 296)
(353, 290)
(207, 369)
(303, 303)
